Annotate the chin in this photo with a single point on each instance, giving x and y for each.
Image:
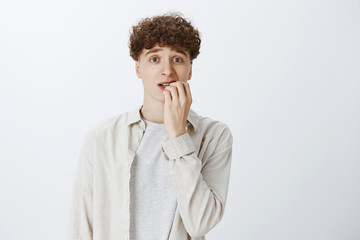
(161, 98)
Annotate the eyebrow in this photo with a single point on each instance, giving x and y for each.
(154, 50)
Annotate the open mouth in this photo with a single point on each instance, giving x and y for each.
(164, 84)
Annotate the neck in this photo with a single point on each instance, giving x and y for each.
(153, 111)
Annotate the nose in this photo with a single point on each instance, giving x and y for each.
(167, 68)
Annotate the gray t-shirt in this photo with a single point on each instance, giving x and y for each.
(153, 197)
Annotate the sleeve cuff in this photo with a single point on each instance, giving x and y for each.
(177, 147)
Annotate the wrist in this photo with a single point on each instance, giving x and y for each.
(175, 135)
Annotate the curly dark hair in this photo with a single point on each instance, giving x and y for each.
(170, 30)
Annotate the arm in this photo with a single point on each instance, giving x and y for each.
(201, 184)
(81, 210)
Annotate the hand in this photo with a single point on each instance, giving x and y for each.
(177, 106)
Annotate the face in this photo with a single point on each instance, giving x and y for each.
(162, 64)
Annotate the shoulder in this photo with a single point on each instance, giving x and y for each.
(209, 127)
(109, 125)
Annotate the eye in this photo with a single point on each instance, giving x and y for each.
(154, 59)
(178, 60)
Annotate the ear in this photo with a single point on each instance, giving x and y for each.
(137, 69)
(190, 73)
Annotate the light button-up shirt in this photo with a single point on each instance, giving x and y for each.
(199, 166)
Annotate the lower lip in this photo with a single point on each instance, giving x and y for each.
(162, 88)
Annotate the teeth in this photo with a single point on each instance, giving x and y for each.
(165, 84)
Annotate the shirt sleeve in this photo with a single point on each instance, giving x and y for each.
(201, 184)
(81, 210)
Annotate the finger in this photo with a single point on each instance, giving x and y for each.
(174, 94)
(182, 92)
(188, 92)
(167, 96)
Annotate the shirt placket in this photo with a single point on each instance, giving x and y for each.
(136, 136)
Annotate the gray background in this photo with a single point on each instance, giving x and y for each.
(283, 75)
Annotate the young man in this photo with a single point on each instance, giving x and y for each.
(161, 171)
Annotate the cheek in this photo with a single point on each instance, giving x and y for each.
(183, 72)
(148, 75)
(187, 74)
(150, 70)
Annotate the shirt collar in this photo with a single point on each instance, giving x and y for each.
(134, 117)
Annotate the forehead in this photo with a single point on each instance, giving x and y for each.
(158, 48)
